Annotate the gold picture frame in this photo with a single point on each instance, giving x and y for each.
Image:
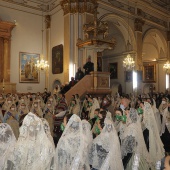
(28, 72)
(149, 73)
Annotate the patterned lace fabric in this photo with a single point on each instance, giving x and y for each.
(133, 140)
(33, 150)
(156, 149)
(71, 146)
(7, 142)
(105, 151)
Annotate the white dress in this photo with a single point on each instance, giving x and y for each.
(71, 146)
(33, 150)
(7, 143)
(105, 152)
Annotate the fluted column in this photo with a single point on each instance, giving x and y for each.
(6, 60)
(138, 33)
(48, 26)
(1, 59)
(168, 45)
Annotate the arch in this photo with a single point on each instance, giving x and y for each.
(123, 27)
(56, 82)
(158, 38)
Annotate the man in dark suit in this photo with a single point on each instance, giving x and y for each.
(89, 66)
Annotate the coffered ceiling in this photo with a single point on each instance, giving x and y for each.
(45, 5)
(49, 5)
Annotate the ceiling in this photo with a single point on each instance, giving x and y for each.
(49, 5)
(45, 5)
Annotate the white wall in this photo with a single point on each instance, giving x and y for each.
(57, 38)
(26, 37)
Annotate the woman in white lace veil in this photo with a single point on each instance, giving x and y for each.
(95, 105)
(7, 143)
(165, 127)
(105, 152)
(70, 148)
(88, 138)
(47, 130)
(157, 116)
(134, 152)
(33, 150)
(156, 149)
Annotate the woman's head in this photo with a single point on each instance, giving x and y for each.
(66, 119)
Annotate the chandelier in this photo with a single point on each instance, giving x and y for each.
(42, 65)
(166, 67)
(96, 33)
(128, 62)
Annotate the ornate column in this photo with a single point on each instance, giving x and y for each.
(48, 26)
(138, 33)
(168, 45)
(5, 57)
(1, 58)
(6, 60)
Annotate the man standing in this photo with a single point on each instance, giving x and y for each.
(79, 75)
(89, 66)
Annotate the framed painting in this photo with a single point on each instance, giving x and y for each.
(128, 76)
(113, 70)
(57, 59)
(28, 72)
(149, 73)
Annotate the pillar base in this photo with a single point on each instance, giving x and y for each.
(8, 87)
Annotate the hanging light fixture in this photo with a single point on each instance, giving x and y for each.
(42, 65)
(128, 62)
(166, 67)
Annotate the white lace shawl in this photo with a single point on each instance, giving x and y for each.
(70, 148)
(157, 116)
(94, 106)
(105, 151)
(47, 130)
(7, 142)
(165, 120)
(132, 139)
(33, 150)
(88, 138)
(156, 149)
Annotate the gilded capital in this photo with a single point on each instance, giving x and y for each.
(78, 6)
(139, 24)
(48, 21)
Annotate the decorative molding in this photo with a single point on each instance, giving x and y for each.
(78, 6)
(48, 21)
(138, 24)
(40, 5)
(152, 18)
(122, 6)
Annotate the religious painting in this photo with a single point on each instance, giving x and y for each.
(113, 70)
(27, 67)
(57, 59)
(149, 73)
(128, 76)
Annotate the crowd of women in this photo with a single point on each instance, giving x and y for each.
(109, 133)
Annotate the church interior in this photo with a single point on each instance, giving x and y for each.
(99, 60)
(139, 28)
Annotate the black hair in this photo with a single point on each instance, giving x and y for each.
(98, 110)
(102, 123)
(119, 109)
(103, 113)
(68, 116)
